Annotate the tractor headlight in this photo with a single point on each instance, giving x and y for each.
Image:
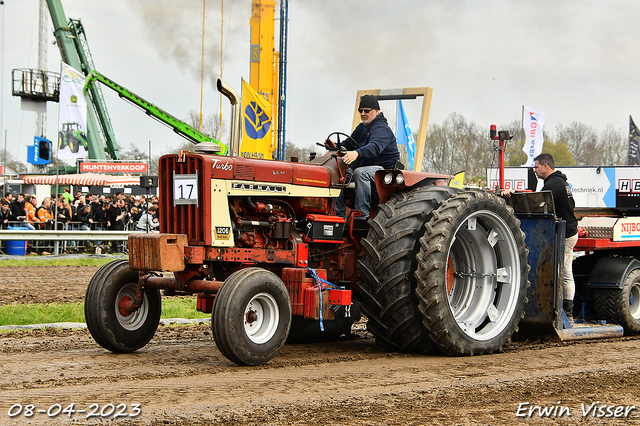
(399, 179)
(388, 178)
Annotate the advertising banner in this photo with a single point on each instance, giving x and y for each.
(72, 123)
(94, 167)
(592, 187)
(257, 123)
(533, 124)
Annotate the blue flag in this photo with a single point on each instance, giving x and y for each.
(404, 135)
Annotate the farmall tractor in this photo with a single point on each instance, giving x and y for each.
(260, 245)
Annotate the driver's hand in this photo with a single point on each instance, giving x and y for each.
(507, 192)
(350, 156)
(329, 144)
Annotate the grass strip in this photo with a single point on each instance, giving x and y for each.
(38, 313)
(58, 261)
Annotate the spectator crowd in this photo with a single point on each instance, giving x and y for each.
(87, 212)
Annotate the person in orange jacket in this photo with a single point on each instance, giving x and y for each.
(45, 214)
(30, 212)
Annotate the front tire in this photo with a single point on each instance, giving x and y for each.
(472, 274)
(251, 316)
(621, 306)
(111, 328)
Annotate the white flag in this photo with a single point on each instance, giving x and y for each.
(533, 124)
(72, 123)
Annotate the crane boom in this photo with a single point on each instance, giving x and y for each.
(178, 126)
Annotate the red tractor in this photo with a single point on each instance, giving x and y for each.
(259, 244)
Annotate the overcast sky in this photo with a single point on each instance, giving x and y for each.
(572, 60)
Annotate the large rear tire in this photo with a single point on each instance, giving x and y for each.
(388, 267)
(621, 306)
(472, 274)
(251, 316)
(113, 284)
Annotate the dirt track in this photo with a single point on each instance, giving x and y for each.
(180, 378)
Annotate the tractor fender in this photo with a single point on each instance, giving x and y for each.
(409, 179)
(611, 272)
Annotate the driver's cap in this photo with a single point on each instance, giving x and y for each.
(369, 101)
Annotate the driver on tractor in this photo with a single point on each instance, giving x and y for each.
(371, 147)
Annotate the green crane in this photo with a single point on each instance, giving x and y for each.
(178, 126)
(74, 50)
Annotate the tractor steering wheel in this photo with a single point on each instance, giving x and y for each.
(338, 134)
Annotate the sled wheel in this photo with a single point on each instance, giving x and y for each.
(251, 316)
(387, 283)
(472, 274)
(621, 306)
(109, 324)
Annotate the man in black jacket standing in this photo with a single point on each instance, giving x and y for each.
(6, 219)
(116, 216)
(6, 215)
(556, 182)
(372, 147)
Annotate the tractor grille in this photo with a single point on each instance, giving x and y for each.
(182, 219)
(244, 172)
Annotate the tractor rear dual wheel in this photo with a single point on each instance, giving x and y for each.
(472, 274)
(388, 283)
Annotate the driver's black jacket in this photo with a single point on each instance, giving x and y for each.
(377, 144)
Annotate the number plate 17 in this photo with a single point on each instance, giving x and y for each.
(185, 189)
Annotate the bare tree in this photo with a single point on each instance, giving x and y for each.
(582, 141)
(136, 154)
(13, 163)
(613, 146)
(210, 123)
(438, 151)
(457, 145)
(302, 153)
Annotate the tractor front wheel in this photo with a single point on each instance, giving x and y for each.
(251, 316)
(111, 325)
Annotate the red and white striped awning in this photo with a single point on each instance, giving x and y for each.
(84, 179)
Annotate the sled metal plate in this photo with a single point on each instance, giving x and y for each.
(157, 252)
(591, 331)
